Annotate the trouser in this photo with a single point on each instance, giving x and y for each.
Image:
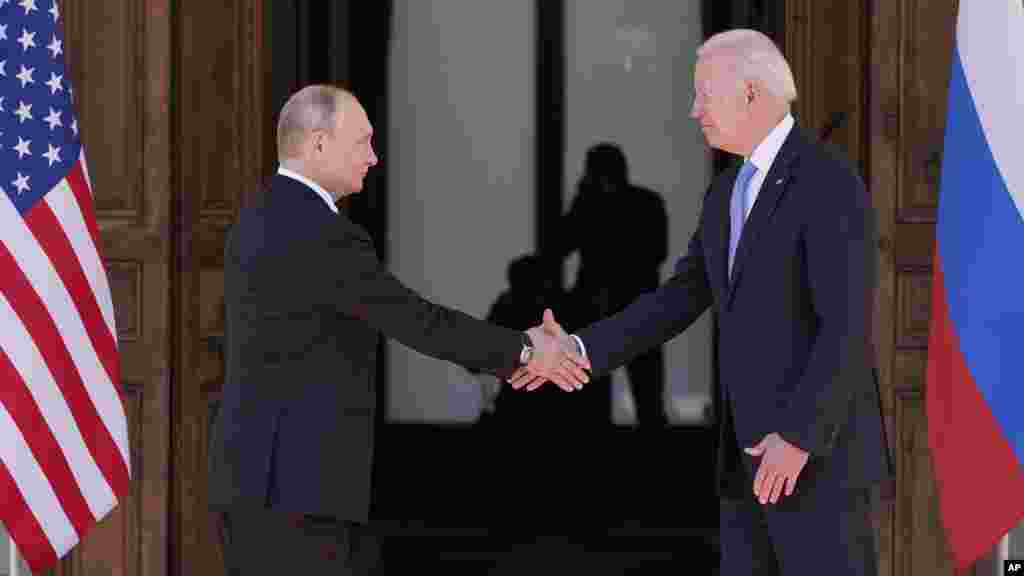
(265, 541)
(828, 533)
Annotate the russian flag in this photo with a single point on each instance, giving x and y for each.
(975, 381)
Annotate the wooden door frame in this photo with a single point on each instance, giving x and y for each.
(197, 240)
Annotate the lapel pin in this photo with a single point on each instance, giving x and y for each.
(779, 181)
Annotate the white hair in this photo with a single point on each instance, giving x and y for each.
(315, 107)
(758, 58)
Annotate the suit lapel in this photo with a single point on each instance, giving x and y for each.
(720, 261)
(772, 190)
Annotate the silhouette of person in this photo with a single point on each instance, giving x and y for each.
(621, 232)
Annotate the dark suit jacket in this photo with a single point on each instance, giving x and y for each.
(305, 300)
(794, 322)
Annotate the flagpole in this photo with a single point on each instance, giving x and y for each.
(1002, 553)
(12, 559)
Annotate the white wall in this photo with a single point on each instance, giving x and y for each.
(629, 80)
(460, 175)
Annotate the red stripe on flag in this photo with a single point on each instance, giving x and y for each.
(47, 229)
(80, 188)
(40, 325)
(40, 439)
(28, 535)
(980, 485)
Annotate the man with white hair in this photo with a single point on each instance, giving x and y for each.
(305, 300)
(784, 252)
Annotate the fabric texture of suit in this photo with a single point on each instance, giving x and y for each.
(306, 299)
(794, 321)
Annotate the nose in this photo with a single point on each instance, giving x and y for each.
(374, 158)
(695, 110)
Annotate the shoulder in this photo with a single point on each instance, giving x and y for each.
(825, 176)
(825, 160)
(646, 195)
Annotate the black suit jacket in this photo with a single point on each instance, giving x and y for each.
(794, 321)
(305, 300)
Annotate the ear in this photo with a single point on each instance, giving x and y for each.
(317, 141)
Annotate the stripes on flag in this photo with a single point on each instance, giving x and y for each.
(64, 452)
(975, 365)
(60, 347)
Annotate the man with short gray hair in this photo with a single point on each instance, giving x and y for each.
(306, 299)
(784, 252)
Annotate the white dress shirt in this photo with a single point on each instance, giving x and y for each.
(762, 157)
(316, 187)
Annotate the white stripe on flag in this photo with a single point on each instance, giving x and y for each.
(29, 363)
(65, 207)
(85, 167)
(45, 281)
(34, 486)
(990, 38)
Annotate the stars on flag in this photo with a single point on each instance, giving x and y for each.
(27, 40)
(25, 76)
(28, 5)
(24, 111)
(53, 154)
(53, 119)
(21, 183)
(38, 129)
(55, 46)
(23, 148)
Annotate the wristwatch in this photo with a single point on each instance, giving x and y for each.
(527, 354)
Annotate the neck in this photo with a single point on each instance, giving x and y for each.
(299, 167)
(763, 128)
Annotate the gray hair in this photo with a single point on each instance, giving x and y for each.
(314, 107)
(759, 60)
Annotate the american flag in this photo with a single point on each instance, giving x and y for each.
(64, 460)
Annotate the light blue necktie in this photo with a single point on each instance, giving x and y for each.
(738, 208)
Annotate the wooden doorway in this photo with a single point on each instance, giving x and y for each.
(882, 68)
(171, 99)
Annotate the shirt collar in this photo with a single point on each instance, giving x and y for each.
(764, 155)
(316, 187)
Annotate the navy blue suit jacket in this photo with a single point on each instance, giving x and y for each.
(794, 350)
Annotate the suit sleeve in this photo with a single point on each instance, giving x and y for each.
(364, 289)
(839, 244)
(655, 317)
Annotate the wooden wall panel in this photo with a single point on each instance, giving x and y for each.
(118, 55)
(920, 546)
(104, 51)
(913, 308)
(910, 46)
(825, 43)
(125, 278)
(926, 51)
(225, 136)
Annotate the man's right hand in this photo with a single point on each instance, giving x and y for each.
(555, 358)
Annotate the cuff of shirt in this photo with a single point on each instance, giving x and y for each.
(580, 348)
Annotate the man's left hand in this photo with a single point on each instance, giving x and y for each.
(781, 464)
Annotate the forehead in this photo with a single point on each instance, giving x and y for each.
(713, 70)
(352, 117)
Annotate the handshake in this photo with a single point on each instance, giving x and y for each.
(555, 358)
